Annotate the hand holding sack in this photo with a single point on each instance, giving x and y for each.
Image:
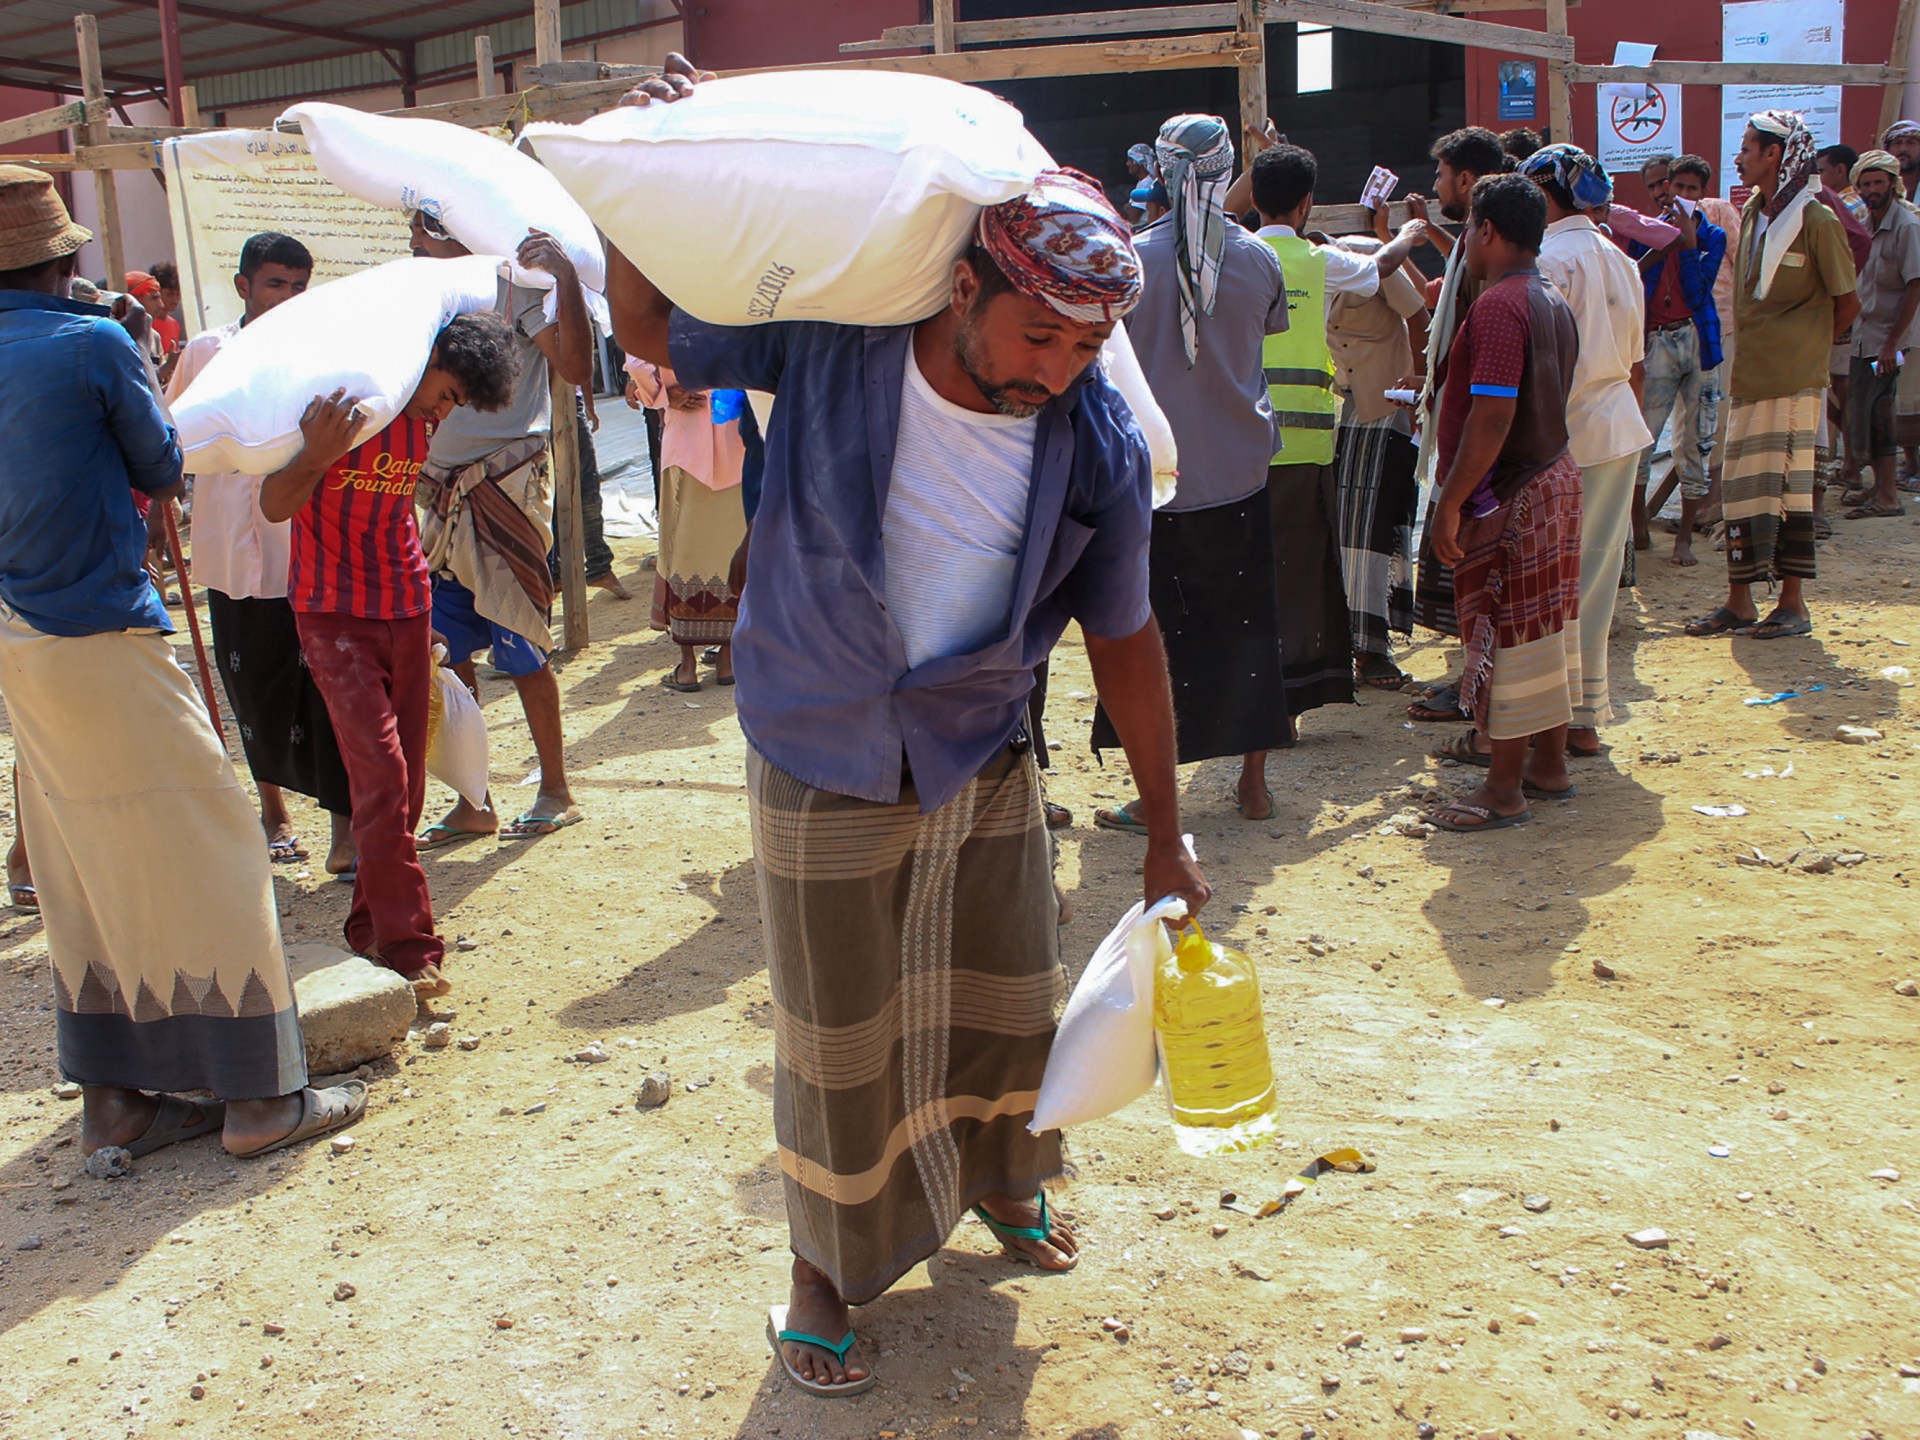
(369, 334)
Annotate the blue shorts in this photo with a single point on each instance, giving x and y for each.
(468, 631)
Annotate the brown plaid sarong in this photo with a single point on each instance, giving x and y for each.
(916, 977)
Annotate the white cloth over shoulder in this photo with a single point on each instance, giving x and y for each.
(1104, 1057)
(1123, 369)
(370, 333)
(797, 196)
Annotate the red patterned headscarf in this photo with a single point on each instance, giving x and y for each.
(1064, 245)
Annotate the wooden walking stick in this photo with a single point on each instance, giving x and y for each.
(193, 619)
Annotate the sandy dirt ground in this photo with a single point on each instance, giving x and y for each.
(1601, 1023)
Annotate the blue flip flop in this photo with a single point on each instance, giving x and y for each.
(779, 1335)
(1006, 1233)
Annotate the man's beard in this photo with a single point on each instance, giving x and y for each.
(1015, 399)
(1453, 210)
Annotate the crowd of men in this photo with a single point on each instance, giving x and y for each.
(889, 634)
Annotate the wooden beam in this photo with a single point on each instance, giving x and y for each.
(1115, 57)
(1381, 19)
(94, 91)
(91, 157)
(190, 107)
(1715, 72)
(483, 65)
(568, 536)
(1894, 92)
(1251, 31)
(570, 103)
(943, 38)
(1087, 26)
(546, 31)
(48, 122)
(1559, 87)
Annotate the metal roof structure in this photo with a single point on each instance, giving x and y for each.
(236, 53)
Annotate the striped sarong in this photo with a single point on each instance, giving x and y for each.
(489, 525)
(1433, 602)
(1377, 492)
(1767, 493)
(1519, 593)
(1316, 651)
(916, 976)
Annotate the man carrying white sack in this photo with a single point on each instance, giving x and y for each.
(939, 501)
(161, 924)
(486, 520)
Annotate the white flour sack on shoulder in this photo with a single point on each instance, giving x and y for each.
(842, 196)
(1123, 369)
(483, 191)
(370, 333)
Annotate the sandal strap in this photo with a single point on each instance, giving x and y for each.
(801, 1337)
(1042, 1231)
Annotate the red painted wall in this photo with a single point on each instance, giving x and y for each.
(736, 34)
(1684, 30)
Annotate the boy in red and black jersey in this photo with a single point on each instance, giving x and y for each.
(358, 583)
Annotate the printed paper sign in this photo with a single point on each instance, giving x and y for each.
(1807, 32)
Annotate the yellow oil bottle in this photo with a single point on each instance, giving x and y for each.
(1213, 1048)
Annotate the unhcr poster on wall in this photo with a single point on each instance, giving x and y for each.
(1758, 32)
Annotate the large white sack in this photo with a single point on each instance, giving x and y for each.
(485, 192)
(1123, 369)
(371, 332)
(1103, 1056)
(844, 196)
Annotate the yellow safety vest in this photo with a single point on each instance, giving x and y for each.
(1299, 361)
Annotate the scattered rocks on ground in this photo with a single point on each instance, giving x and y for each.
(438, 1035)
(351, 1011)
(1909, 987)
(1812, 862)
(656, 1088)
(469, 1042)
(466, 946)
(66, 1090)
(1353, 1341)
(594, 1054)
(1603, 971)
(539, 1107)
(1890, 1176)
(1408, 824)
(28, 1242)
(109, 1162)
(1238, 1362)
(343, 1144)
(1857, 735)
(1648, 1239)
(1412, 1335)
(344, 1291)
(1538, 1204)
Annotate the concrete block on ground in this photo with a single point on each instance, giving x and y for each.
(351, 1010)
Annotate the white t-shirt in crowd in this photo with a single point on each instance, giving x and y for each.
(236, 549)
(956, 514)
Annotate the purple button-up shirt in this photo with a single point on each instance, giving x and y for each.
(825, 690)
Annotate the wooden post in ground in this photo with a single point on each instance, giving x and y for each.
(1892, 95)
(483, 64)
(93, 90)
(1559, 93)
(1250, 29)
(568, 537)
(943, 43)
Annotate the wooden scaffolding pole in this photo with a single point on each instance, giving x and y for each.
(1895, 91)
(483, 65)
(1559, 92)
(568, 537)
(943, 37)
(1250, 31)
(93, 90)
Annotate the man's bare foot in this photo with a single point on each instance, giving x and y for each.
(815, 1308)
(1255, 802)
(469, 820)
(1059, 1251)
(428, 982)
(114, 1116)
(253, 1123)
(342, 853)
(1683, 552)
(610, 583)
(1642, 539)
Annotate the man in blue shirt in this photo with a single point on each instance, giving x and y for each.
(1683, 377)
(159, 908)
(940, 499)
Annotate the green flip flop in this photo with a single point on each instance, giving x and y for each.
(1043, 1231)
(779, 1335)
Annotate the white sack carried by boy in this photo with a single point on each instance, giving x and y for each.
(1123, 369)
(456, 734)
(370, 333)
(481, 190)
(1103, 1056)
(843, 196)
